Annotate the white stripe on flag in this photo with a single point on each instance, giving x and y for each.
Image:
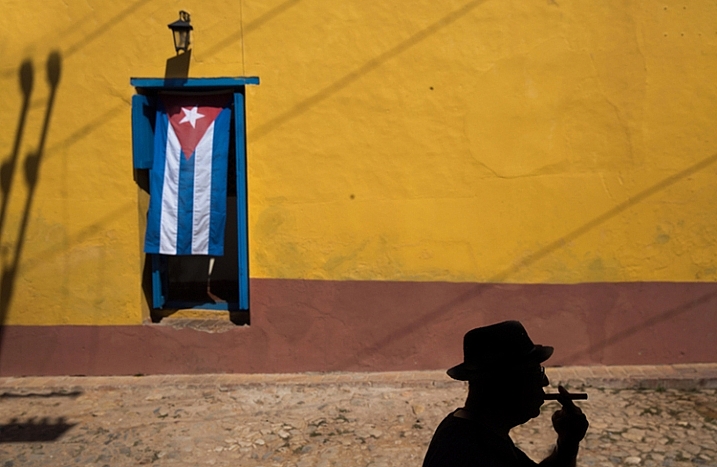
(170, 195)
(202, 193)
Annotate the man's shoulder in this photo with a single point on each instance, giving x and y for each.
(460, 442)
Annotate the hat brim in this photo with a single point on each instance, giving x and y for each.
(466, 372)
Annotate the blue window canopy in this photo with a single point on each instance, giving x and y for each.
(193, 84)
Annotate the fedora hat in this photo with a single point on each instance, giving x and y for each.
(501, 346)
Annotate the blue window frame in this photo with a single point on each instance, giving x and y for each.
(163, 268)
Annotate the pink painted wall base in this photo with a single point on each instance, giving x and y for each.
(301, 326)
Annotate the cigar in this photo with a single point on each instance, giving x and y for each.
(572, 396)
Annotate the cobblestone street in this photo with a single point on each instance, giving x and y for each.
(379, 419)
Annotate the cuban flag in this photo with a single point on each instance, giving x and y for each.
(188, 179)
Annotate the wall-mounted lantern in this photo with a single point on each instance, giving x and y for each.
(180, 31)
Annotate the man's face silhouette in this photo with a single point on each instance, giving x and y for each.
(518, 392)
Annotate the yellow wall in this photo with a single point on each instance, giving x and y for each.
(488, 141)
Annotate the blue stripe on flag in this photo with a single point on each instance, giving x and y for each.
(186, 205)
(156, 181)
(218, 207)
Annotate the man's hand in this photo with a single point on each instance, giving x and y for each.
(571, 425)
(569, 422)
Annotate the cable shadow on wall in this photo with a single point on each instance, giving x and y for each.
(336, 86)
(260, 21)
(104, 28)
(477, 290)
(88, 38)
(660, 318)
(31, 172)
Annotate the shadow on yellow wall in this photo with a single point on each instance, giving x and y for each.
(478, 289)
(178, 67)
(31, 169)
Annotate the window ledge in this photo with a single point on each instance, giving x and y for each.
(204, 320)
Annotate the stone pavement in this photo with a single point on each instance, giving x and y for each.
(640, 416)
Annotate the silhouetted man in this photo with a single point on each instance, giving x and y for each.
(505, 389)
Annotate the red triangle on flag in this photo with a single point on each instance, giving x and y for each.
(191, 116)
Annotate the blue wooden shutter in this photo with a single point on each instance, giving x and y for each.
(242, 208)
(143, 111)
(160, 280)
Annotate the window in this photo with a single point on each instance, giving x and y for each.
(201, 282)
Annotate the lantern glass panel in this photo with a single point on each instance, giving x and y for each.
(181, 39)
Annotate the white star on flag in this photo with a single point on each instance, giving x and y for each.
(191, 116)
